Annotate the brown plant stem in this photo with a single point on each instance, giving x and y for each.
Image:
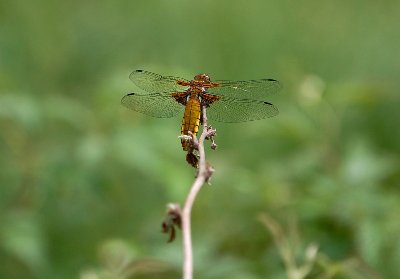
(202, 176)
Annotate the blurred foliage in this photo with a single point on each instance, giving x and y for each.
(84, 182)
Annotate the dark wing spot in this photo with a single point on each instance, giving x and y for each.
(268, 103)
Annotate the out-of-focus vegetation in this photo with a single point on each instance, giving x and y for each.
(84, 181)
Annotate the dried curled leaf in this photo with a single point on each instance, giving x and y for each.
(172, 220)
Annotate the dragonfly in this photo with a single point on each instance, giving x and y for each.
(224, 100)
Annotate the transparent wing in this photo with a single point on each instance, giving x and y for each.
(154, 83)
(249, 89)
(240, 110)
(156, 105)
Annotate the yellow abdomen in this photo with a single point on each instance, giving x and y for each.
(191, 119)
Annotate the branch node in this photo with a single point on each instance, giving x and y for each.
(210, 134)
(194, 141)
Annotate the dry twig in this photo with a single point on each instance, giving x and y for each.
(204, 173)
(181, 218)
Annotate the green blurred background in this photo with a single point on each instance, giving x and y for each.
(84, 182)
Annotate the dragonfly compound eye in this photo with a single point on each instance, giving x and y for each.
(202, 77)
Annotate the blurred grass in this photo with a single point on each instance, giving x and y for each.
(84, 182)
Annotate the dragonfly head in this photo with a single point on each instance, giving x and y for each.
(202, 78)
